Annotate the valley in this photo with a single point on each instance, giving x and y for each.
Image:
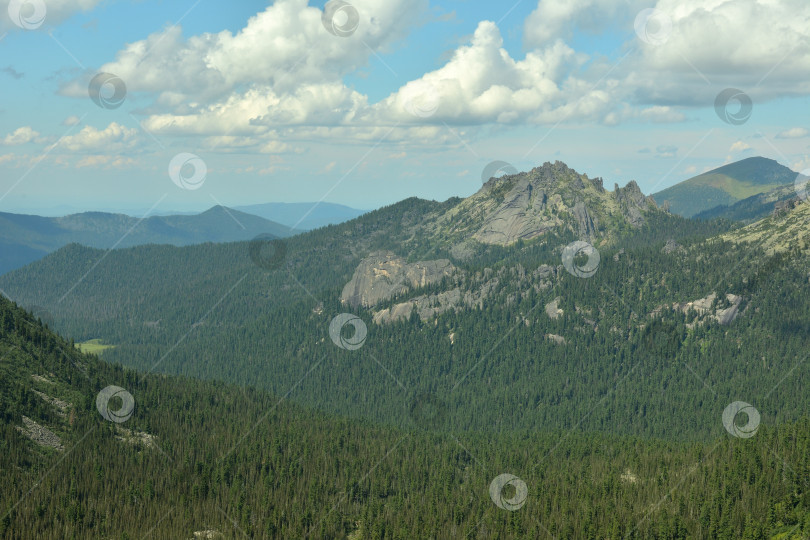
(231, 461)
(404, 270)
(437, 329)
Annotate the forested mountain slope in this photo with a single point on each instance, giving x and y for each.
(662, 333)
(184, 457)
(725, 185)
(755, 207)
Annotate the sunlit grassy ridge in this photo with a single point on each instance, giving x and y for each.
(725, 185)
(782, 232)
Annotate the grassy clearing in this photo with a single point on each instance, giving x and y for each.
(93, 346)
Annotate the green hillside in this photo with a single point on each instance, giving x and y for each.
(725, 186)
(752, 208)
(197, 458)
(210, 312)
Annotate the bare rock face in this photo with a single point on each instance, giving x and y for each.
(709, 306)
(551, 197)
(383, 275)
(552, 310)
(522, 215)
(429, 306)
(701, 305)
(208, 534)
(783, 207)
(728, 315)
(135, 437)
(425, 306)
(632, 201)
(586, 223)
(672, 246)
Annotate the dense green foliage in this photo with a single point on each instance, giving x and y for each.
(750, 208)
(605, 394)
(209, 312)
(247, 464)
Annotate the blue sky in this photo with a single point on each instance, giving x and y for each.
(414, 101)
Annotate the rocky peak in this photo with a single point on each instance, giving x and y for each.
(633, 202)
(551, 197)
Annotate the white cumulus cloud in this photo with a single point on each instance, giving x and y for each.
(739, 146)
(113, 138)
(793, 133)
(21, 135)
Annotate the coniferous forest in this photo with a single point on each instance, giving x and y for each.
(605, 401)
(208, 456)
(405, 270)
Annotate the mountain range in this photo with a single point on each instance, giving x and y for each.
(725, 186)
(439, 276)
(586, 342)
(25, 238)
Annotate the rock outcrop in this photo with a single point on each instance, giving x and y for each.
(40, 434)
(551, 197)
(724, 311)
(632, 202)
(728, 315)
(783, 207)
(429, 306)
(552, 310)
(60, 405)
(135, 437)
(672, 246)
(383, 275)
